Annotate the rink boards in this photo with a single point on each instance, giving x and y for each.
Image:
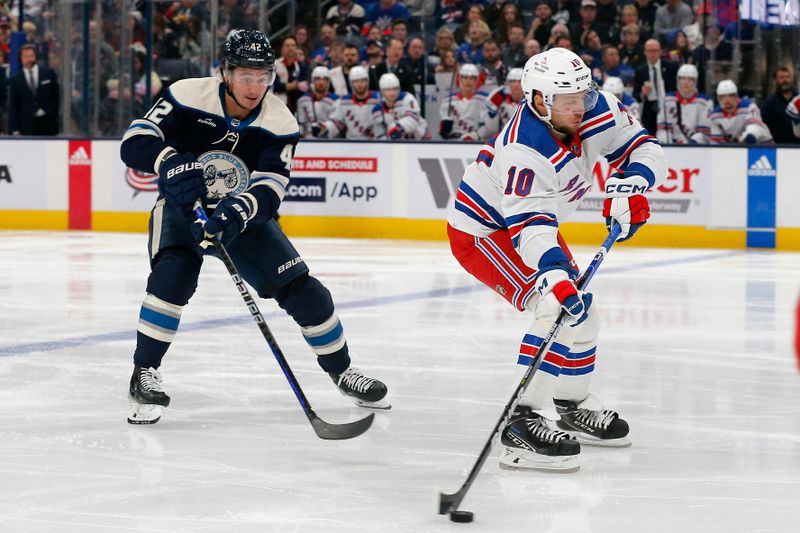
(714, 196)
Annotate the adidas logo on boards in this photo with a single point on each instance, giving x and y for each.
(80, 157)
(761, 167)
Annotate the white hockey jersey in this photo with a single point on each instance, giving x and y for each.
(633, 106)
(793, 110)
(684, 120)
(469, 114)
(500, 107)
(352, 118)
(311, 109)
(733, 128)
(405, 113)
(528, 182)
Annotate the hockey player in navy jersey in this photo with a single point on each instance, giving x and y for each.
(229, 141)
(503, 229)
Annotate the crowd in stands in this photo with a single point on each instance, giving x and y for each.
(369, 69)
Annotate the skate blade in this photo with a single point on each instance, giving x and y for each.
(622, 442)
(381, 405)
(144, 413)
(513, 460)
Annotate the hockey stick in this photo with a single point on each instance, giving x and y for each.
(448, 503)
(323, 429)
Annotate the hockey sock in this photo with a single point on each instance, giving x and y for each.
(158, 323)
(576, 375)
(328, 342)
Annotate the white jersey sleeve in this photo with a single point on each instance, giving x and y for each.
(793, 110)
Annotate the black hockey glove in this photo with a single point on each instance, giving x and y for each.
(180, 180)
(229, 220)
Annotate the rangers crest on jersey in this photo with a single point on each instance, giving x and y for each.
(225, 174)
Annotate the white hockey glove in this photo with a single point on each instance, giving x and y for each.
(558, 284)
(626, 204)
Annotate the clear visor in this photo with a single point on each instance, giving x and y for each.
(576, 103)
(258, 78)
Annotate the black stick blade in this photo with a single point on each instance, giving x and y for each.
(349, 430)
(449, 502)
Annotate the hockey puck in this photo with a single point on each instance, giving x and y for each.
(461, 516)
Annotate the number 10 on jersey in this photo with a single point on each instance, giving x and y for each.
(523, 179)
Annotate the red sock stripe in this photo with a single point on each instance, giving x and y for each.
(577, 363)
(551, 357)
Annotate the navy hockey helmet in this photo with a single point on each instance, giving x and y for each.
(248, 49)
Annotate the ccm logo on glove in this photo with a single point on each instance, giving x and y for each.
(625, 189)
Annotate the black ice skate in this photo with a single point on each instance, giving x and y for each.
(533, 445)
(590, 424)
(146, 396)
(366, 392)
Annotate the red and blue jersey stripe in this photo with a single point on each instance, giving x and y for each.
(516, 223)
(469, 202)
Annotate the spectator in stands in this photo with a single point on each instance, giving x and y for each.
(347, 18)
(559, 30)
(319, 55)
(421, 10)
(493, 67)
(532, 47)
(588, 21)
(302, 37)
(471, 51)
(493, 11)
(774, 109)
(510, 16)
(400, 32)
(678, 48)
(136, 33)
(684, 118)
(33, 97)
(375, 53)
(607, 12)
(340, 78)
(561, 41)
(141, 103)
(445, 41)
(694, 31)
(165, 40)
(335, 52)
(542, 23)
(5, 35)
(231, 16)
(451, 14)
(475, 12)
(382, 13)
(673, 14)
(631, 52)
(397, 115)
(737, 120)
(374, 35)
(630, 15)
(448, 63)
(416, 63)
(514, 50)
(647, 17)
(714, 48)
(654, 78)
(464, 115)
(612, 67)
(291, 75)
(316, 106)
(393, 65)
(194, 41)
(591, 49)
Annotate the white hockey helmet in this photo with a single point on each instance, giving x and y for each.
(358, 73)
(614, 85)
(389, 81)
(726, 87)
(687, 71)
(468, 69)
(320, 72)
(515, 74)
(555, 72)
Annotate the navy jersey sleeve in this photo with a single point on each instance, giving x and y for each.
(147, 141)
(268, 182)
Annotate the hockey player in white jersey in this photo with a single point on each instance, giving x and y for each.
(463, 113)
(503, 229)
(504, 101)
(793, 110)
(397, 116)
(737, 120)
(317, 105)
(615, 86)
(352, 116)
(684, 118)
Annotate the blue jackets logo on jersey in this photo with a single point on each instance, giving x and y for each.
(225, 174)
